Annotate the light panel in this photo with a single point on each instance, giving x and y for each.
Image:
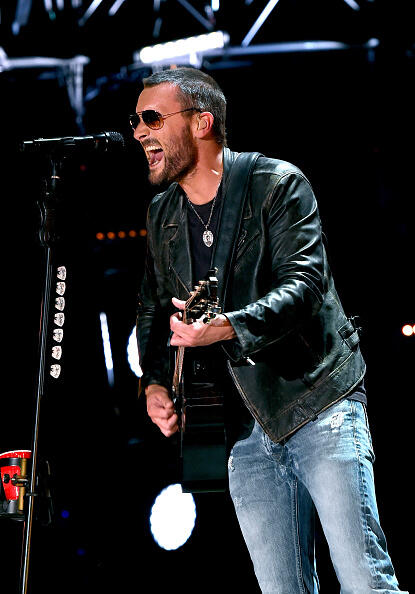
(165, 52)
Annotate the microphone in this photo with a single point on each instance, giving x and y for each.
(102, 142)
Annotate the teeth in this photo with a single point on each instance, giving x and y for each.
(152, 148)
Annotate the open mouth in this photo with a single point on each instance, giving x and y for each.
(154, 155)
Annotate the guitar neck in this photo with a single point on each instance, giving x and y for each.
(178, 368)
(202, 300)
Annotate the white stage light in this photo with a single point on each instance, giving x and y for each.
(172, 518)
(408, 330)
(132, 353)
(107, 347)
(353, 4)
(165, 52)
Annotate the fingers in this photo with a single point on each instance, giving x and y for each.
(169, 426)
(160, 409)
(186, 334)
(178, 303)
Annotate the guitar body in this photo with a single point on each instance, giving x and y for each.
(200, 405)
(203, 452)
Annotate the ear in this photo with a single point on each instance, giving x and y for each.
(204, 124)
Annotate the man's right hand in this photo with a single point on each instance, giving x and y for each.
(160, 409)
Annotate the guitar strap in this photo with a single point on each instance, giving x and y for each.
(235, 192)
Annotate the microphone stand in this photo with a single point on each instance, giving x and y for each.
(48, 236)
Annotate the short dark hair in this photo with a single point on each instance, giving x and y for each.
(196, 89)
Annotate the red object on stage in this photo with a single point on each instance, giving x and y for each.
(13, 470)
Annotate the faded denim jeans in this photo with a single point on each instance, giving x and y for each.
(325, 467)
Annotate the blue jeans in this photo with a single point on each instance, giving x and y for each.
(325, 467)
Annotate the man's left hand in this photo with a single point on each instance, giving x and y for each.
(198, 333)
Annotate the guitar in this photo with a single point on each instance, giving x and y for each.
(200, 406)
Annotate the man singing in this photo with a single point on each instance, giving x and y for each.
(283, 351)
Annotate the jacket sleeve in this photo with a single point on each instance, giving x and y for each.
(295, 265)
(153, 329)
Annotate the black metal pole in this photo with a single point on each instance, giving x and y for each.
(48, 237)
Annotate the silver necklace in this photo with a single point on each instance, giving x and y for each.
(207, 233)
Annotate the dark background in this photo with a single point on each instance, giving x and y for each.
(344, 117)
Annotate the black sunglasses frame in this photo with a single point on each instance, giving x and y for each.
(154, 119)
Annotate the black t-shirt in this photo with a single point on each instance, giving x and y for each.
(237, 417)
(201, 254)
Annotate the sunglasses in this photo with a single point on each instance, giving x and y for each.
(153, 119)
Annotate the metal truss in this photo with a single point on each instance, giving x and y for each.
(71, 70)
(24, 7)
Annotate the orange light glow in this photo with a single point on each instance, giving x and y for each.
(100, 236)
(111, 235)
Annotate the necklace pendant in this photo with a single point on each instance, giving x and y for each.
(207, 238)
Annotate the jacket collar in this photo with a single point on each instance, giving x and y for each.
(173, 196)
(175, 218)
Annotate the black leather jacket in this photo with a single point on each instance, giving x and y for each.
(296, 352)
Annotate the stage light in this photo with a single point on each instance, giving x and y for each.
(408, 330)
(352, 4)
(172, 517)
(89, 12)
(191, 46)
(132, 354)
(107, 347)
(81, 552)
(132, 233)
(115, 7)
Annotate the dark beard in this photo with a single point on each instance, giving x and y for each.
(179, 159)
